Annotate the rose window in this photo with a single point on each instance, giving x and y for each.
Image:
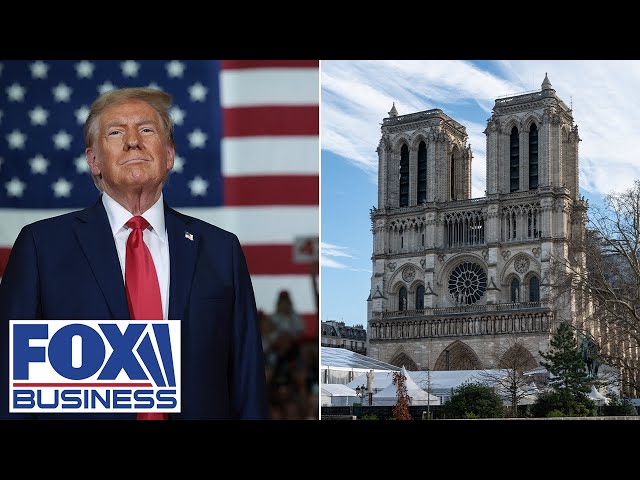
(467, 283)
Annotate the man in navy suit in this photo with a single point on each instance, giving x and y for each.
(73, 266)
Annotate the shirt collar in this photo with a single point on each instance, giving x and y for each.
(118, 216)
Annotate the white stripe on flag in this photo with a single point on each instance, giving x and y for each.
(300, 288)
(269, 86)
(252, 225)
(248, 156)
(262, 225)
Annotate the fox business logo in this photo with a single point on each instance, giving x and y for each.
(94, 366)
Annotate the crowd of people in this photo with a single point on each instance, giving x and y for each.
(291, 362)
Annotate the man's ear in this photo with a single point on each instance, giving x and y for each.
(171, 155)
(92, 161)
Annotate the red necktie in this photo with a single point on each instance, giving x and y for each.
(141, 283)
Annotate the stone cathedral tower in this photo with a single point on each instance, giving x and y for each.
(456, 279)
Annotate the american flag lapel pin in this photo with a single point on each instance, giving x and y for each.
(188, 235)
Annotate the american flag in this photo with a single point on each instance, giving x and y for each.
(247, 153)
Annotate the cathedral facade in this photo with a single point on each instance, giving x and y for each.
(455, 280)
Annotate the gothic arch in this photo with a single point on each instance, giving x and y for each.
(508, 269)
(518, 357)
(416, 138)
(458, 356)
(455, 260)
(402, 359)
(530, 120)
(396, 278)
(509, 123)
(527, 286)
(415, 284)
(398, 142)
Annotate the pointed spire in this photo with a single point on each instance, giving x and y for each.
(393, 112)
(546, 84)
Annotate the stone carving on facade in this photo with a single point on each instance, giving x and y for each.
(408, 274)
(521, 264)
(442, 257)
(536, 251)
(485, 255)
(506, 254)
(423, 263)
(392, 266)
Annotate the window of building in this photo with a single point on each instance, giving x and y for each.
(514, 160)
(402, 299)
(453, 177)
(534, 289)
(422, 173)
(420, 297)
(515, 290)
(533, 157)
(404, 176)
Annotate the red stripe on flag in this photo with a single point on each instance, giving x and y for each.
(310, 326)
(4, 258)
(272, 190)
(271, 120)
(237, 64)
(273, 260)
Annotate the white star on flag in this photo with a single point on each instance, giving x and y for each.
(15, 187)
(197, 138)
(130, 68)
(39, 164)
(198, 186)
(198, 92)
(62, 140)
(105, 87)
(16, 140)
(38, 116)
(178, 115)
(81, 114)
(62, 92)
(84, 69)
(39, 69)
(16, 92)
(178, 164)
(61, 188)
(175, 69)
(81, 164)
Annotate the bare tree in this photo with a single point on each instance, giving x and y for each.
(603, 266)
(513, 359)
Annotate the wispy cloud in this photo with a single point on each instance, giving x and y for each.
(328, 254)
(356, 96)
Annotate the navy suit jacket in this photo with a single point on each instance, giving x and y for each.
(67, 268)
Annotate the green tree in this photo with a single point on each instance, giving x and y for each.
(618, 406)
(569, 381)
(401, 408)
(564, 362)
(562, 404)
(474, 400)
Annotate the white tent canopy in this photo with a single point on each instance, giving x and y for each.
(337, 394)
(597, 397)
(389, 396)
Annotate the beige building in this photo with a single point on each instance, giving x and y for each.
(455, 280)
(338, 335)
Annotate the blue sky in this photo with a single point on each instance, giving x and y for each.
(357, 95)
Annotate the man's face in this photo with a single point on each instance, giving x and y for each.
(131, 151)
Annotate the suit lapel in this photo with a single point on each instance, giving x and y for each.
(183, 246)
(96, 241)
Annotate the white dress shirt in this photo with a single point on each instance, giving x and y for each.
(155, 237)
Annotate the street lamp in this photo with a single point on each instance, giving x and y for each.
(361, 392)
